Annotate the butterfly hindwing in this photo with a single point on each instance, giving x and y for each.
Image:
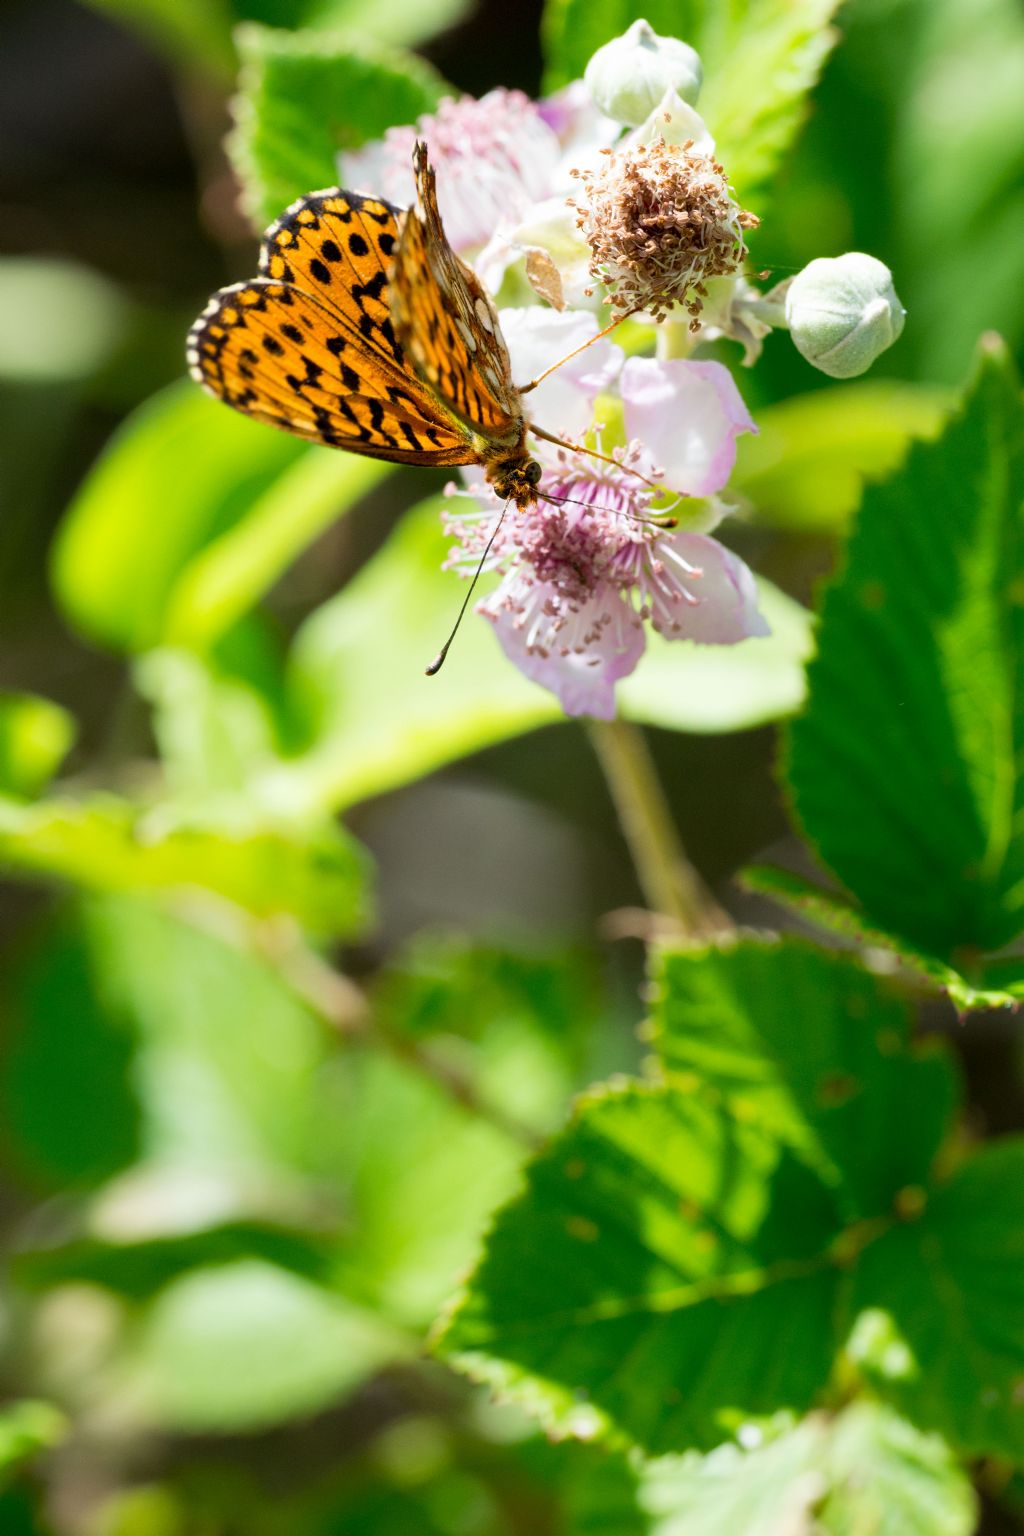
(446, 323)
(278, 354)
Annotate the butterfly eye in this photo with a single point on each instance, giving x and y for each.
(532, 473)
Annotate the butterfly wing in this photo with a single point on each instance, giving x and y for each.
(447, 325)
(309, 346)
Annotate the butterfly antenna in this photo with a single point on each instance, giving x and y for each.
(524, 389)
(657, 519)
(594, 453)
(438, 661)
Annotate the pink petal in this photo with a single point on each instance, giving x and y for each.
(566, 658)
(726, 609)
(564, 403)
(688, 415)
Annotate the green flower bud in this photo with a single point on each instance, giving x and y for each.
(629, 76)
(842, 313)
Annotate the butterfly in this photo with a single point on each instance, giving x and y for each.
(365, 331)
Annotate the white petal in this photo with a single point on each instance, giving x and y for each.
(581, 671)
(583, 130)
(564, 403)
(726, 609)
(373, 169)
(688, 415)
(675, 121)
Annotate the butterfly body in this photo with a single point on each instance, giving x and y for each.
(366, 332)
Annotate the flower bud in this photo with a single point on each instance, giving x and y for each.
(843, 312)
(629, 76)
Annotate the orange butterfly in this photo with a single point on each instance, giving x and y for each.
(365, 331)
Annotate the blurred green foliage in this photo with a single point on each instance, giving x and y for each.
(259, 1100)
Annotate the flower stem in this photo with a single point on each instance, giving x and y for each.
(670, 884)
(673, 338)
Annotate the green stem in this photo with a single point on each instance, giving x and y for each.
(670, 884)
(673, 338)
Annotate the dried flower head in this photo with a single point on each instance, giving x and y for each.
(660, 221)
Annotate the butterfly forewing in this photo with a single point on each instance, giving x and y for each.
(339, 246)
(310, 345)
(447, 325)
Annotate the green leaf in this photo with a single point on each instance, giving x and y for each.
(760, 57)
(373, 722)
(520, 1021)
(942, 1303)
(867, 1470)
(665, 1270)
(190, 515)
(35, 737)
(387, 21)
(244, 1345)
(758, 82)
(679, 1259)
(997, 983)
(812, 1045)
(107, 844)
(305, 97)
(196, 33)
(806, 468)
(139, 1269)
(68, 1100)
(229, 1064)
(349, 1163)
(905, 767)
(422, 1176)
(25, 1429)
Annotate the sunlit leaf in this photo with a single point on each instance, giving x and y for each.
(807, 467)
(107, 844)
(189, 516)
(35, 737)
(942, 1303)
(25, 1429)
(193, 32)
(995, 983)
(197, 33)
(866, 1470)
(521, 1019)
(242, 1345)
(814, 1046)
(305, 96)
(760, 57)
(676, 1262)
(905, 768)
(666, 1268)
(264, 1133)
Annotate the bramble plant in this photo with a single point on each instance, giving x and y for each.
(393, 1200)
